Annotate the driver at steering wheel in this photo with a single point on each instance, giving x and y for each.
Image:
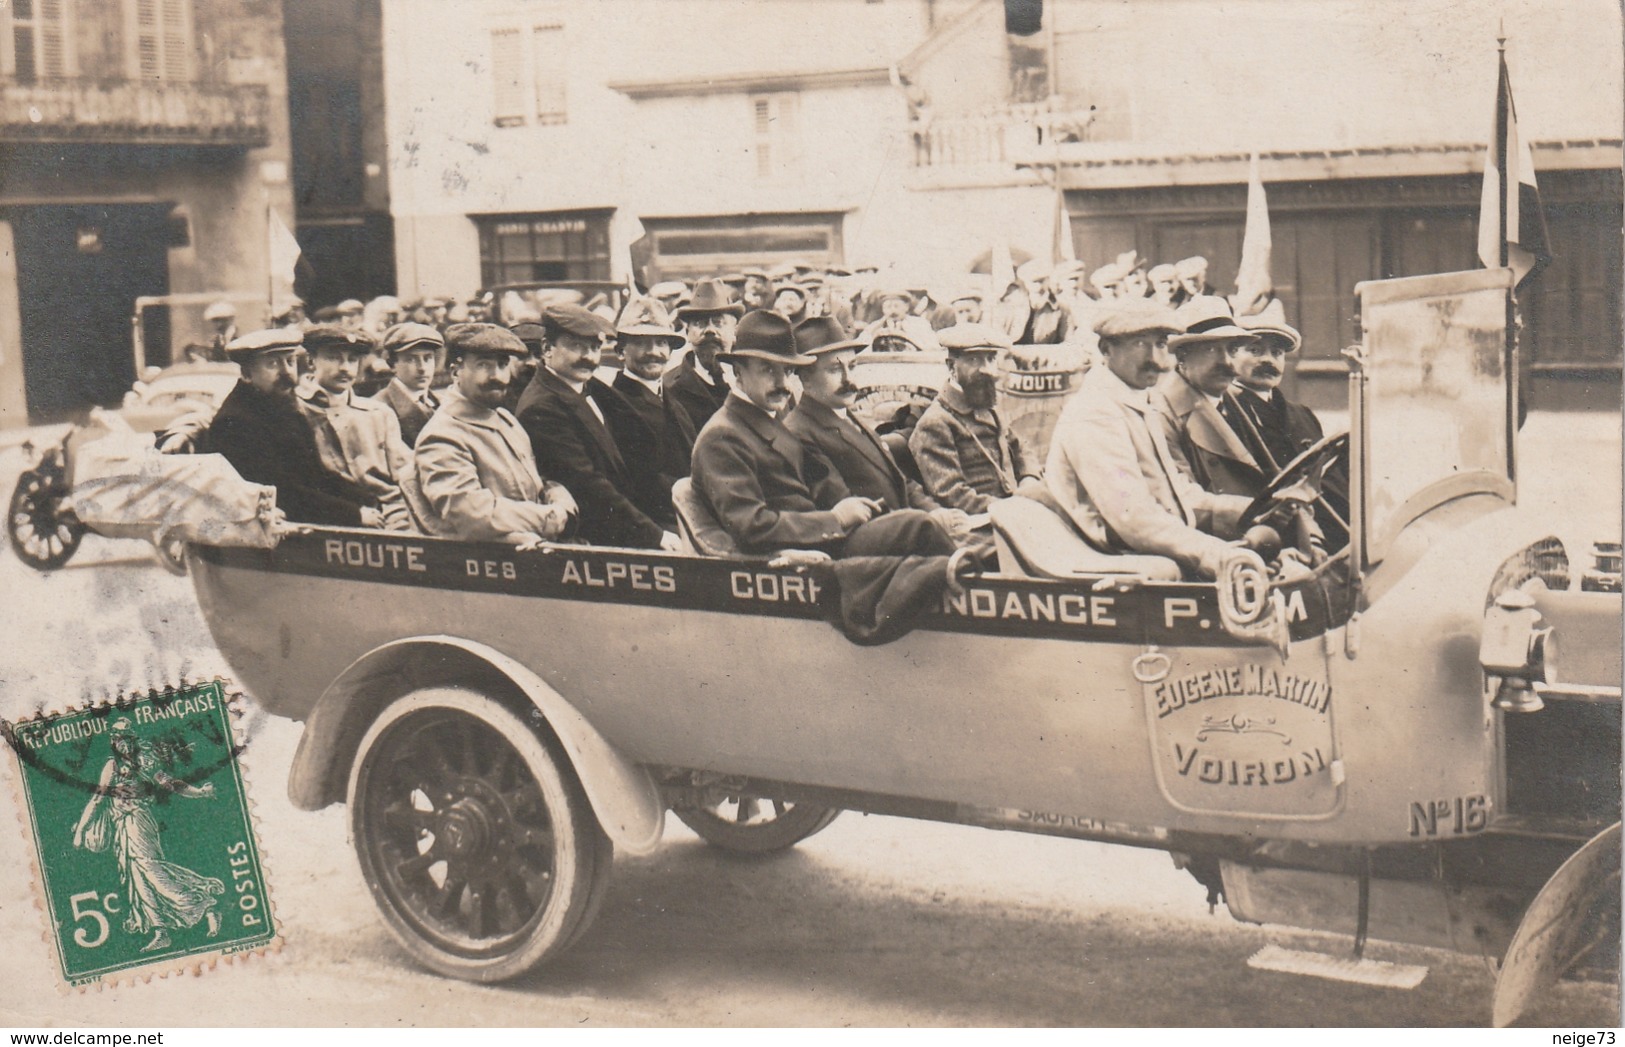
(1110, 468)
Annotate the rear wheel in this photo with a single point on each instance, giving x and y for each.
(43, 534)
(754, 825)
(474, 836)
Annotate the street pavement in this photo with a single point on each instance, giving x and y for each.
(874, 922)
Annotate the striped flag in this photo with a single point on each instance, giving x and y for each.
(1511, 223)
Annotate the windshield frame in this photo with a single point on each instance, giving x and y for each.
(1375, 535)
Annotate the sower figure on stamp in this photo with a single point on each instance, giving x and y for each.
(159, 894)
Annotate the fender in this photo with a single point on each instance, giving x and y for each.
(623, 794)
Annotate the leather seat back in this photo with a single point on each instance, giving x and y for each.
(698, 527)
(1035, 539)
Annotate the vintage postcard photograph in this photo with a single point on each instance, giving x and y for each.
(720, 514)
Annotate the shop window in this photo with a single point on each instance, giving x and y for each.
(558, 245)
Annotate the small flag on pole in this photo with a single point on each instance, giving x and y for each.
(1064, 250)
(284, 250)
(1253, 282)
(1511, 223)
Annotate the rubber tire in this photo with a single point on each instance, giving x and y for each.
(583, 853)
(29, 482)
(780, 834)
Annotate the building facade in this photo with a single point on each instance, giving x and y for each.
(142, 143)
(544, 139)
(538, 140)
(1370, 122)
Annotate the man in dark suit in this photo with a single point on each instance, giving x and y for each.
(560, 411)
(261, 432)
(412, 350)
(708, 321)
(824, 424)
(1275, 428)
(652, 430)
(771, 493)
(1202, 443)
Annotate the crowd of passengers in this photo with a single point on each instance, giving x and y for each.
(486, 432)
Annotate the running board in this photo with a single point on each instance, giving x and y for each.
(1338, 968)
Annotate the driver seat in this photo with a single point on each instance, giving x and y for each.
(1035, 538)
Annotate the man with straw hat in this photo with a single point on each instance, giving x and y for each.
(1202, 442)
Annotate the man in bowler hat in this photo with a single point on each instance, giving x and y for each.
(767, 490)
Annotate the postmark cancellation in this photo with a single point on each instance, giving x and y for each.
(146, 861)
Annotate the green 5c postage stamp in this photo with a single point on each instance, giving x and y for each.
(147, 858)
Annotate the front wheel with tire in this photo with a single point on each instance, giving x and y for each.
(754, 825)
(474, 836)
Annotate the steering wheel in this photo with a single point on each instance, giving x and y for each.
(1309, 469)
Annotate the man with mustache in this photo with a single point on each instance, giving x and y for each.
(965, 451)
(708, 322)
(357, 438)
(771, 493)
(652, 430)
(1202, 442)
(1110, 469)
(260, 431)
(1274, 428)
(563, 411)
(824, 424)
(474, 462)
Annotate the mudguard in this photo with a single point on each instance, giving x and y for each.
(1561, 925)
(623, 795)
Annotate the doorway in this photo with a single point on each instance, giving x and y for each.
(80, 268)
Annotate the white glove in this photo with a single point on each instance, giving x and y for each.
(852, 511)
(670, 542)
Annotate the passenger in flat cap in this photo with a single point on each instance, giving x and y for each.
(769, 491)
(654, 433)
(563, 412)
(474, 462)
(708, 321)
(358, 438)
(260, 430)
(1110, 468)
(965, 451)
(412, 351)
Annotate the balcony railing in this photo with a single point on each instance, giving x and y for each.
(1004, 137)
(135, 112)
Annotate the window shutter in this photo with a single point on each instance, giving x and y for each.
(552, 71)
(53, 41)
(777, 137)
(762, 113)
(148, 41)
(176, 39)
(508, 77)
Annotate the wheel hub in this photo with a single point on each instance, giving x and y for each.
(467, 829)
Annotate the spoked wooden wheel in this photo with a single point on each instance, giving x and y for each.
(481, 852)
(755, 825)
(43, 534)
